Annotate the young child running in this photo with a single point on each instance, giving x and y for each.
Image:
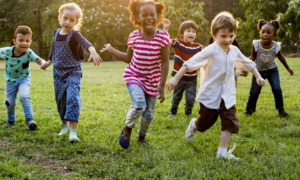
(184, 49)
(17, 75)
(217, 87)
(147, 71)
(67, 56)
(263, 54)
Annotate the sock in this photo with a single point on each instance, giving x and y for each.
(222, 151)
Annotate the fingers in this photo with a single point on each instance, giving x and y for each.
(162, 98)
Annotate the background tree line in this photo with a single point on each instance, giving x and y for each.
(107, 21)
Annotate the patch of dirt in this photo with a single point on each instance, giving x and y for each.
(49, 164)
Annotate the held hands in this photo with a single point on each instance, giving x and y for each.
(45, 65)
(242, 72)
(172, 84)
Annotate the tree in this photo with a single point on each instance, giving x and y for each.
(290, 27)
(255, 10)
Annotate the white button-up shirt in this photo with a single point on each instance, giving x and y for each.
(217, 74)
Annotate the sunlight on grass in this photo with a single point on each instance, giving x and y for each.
(267, 144)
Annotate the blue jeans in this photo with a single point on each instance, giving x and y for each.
(142, 106)
(273, 77)
(190, 88)
(23, 87)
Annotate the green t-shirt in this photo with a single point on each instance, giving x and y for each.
(17, 68)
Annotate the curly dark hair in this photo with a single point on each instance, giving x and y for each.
(134, 7)
(274, 23)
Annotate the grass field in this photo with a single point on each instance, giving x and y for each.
(268, 145)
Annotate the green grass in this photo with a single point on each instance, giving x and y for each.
(267, 144)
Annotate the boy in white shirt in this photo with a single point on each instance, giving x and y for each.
(217, 87)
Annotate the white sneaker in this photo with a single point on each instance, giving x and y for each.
(73, 136)
(64, 129)
(190, 132)
(228, 155)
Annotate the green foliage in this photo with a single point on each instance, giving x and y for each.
(180, 11)
(267, 144)
(255, 10)
(290, 26)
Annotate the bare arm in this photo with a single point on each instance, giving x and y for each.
(166, 25)
(41, 62)
(125, 57)
(283, 61)
(164, 72)
(253, 54)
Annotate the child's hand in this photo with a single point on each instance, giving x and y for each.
(166, 24)
(242, 72)
(260, 81)
(106, 48)
(161, 92)
(291, 72)
(45, 65)
(172, 84)
(95, 56)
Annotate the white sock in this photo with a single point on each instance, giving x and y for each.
(222, 150)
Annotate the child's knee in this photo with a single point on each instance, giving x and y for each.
(9, 104)
(24, 98)
(148, 116)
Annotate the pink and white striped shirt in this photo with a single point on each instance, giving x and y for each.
(145, 66)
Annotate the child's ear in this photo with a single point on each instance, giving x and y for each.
(14, 40)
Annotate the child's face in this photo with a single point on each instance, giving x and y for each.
(22, 43)
(267, 34)
(189, 35)
(68, 20)
(224, 38)
(147, 17)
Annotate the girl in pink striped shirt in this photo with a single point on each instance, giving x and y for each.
(147, 71)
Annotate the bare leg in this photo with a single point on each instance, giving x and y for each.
(224, 139)
(73, 124)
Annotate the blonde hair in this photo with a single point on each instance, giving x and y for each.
(72, 7)
(223, 20)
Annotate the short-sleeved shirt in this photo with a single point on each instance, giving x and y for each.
(145, 66)
(265, 58)
(17, 68)
(183, 52)
(217, 74)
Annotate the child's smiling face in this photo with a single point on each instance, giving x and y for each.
(267, 34)
(22, 43)
(224, 38)
(147, 17)
(68, 20)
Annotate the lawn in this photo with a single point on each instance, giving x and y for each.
(268, 145)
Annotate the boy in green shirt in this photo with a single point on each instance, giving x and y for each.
(17, 75)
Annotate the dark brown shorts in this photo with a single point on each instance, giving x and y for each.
(208, 117)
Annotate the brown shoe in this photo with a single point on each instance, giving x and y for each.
(142, 140)
(126, 133)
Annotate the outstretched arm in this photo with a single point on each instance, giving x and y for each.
(41, 62)
(164, 72)
(125, 57)
(283, 61)
(94, 56)
(174, 81)
(166, 25)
